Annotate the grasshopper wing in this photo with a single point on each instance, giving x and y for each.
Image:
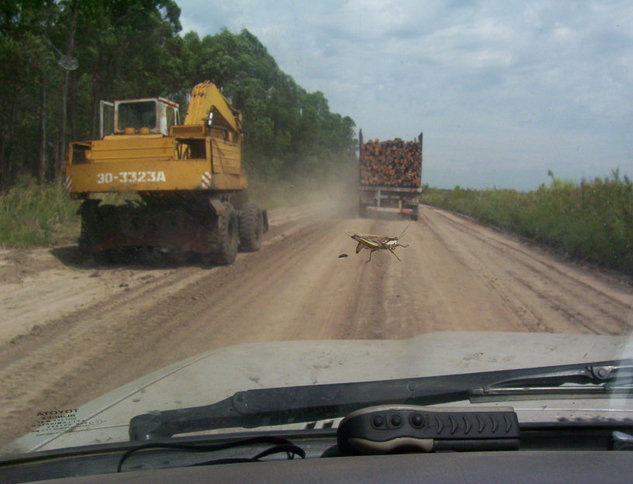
(368, 241)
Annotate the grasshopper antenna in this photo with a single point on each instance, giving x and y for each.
(402, 233)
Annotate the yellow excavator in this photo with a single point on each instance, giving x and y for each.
(188, 179)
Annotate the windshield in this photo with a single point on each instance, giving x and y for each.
(136, 114)
(359, 191)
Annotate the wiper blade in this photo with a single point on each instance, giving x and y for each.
(591, 380)
(276, 406)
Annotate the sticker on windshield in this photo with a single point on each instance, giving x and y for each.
(50, 422)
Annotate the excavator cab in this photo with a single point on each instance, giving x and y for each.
(138, 116)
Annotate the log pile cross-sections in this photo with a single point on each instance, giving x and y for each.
(393, 163)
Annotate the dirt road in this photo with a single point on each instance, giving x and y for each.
(70, 331)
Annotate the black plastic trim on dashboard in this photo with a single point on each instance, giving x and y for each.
(578, 467)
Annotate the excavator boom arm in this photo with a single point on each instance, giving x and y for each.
(206, 98)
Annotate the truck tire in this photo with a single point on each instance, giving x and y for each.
(224, 240)
(362, 210)
(251, 228)
(414, 215)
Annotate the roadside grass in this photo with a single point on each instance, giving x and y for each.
(37, 215)
(591, 221)
(33, 215)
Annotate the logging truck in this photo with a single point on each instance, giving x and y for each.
(390, 176)
(186, 179)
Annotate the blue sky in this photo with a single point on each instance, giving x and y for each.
(503, 91)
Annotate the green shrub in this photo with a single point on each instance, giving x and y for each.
(590, 221)
(37, 215)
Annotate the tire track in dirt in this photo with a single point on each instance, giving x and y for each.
(296, 287)
(78, 352)
(524, 314)
(589, 282)
(604, 305)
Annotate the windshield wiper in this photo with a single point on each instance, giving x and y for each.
(276, 406)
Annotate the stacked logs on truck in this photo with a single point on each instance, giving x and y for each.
(393, 163)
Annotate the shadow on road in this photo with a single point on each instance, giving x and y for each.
(387, 216)
(73, 256)
(70, 255)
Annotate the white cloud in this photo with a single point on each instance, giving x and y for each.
(498, 87)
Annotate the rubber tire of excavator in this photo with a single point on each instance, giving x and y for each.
(224, 241)
(103, 257)
(251, 228)
(85, 236)
(88, 213)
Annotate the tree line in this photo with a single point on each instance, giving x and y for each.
(59, 58)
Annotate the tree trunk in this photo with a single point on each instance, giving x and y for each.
(6, 153)
(72, 109)
(70, 48)
(62, 136)
(43, 166)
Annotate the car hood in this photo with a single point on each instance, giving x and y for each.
(217, 374)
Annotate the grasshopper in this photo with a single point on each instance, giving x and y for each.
(378, 242)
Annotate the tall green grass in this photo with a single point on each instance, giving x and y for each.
(591, 221)
(37, 215)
